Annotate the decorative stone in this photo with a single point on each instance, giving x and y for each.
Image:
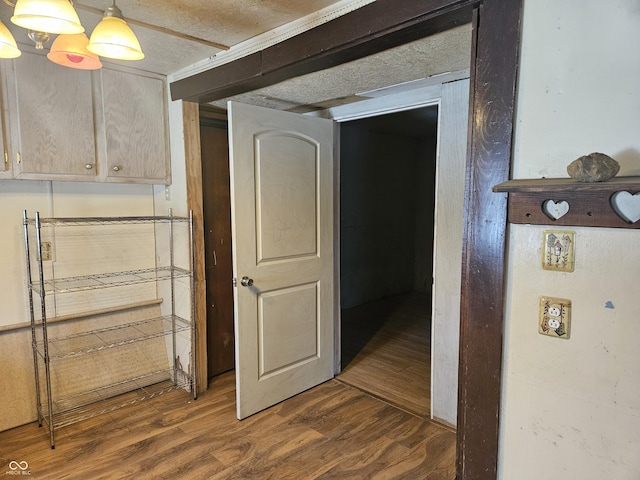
(595, 167)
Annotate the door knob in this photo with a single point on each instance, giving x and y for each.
(246, 281)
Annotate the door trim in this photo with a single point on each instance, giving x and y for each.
(494, 67)
(193, 165)
(429, 95)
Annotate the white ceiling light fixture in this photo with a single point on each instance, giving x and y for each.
(8, 45)
(113, 38)
(51, 16)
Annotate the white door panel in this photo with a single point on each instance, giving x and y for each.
(281, 167)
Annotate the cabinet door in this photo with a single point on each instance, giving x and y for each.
(51, 120)
(5, 165)
(135, 128)
(5, 171)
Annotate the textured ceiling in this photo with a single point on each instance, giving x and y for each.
(232, 22)
(448, 51)
(221, 22)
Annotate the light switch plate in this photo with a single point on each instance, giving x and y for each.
(555, 317)
(558, 250)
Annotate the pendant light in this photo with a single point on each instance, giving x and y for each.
(8, 45)
(112, 37)
(52, 16)
(70, 50)
(39, 38)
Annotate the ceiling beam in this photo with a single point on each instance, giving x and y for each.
(373, 28)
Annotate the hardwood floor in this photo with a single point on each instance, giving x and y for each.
(386, 350)
(332, 431)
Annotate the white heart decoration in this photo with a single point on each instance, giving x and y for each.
(627, 206)
(555, 210)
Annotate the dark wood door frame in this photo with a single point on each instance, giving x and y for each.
(217, 231)
(494, 62)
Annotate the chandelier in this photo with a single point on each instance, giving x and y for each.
(112, 37)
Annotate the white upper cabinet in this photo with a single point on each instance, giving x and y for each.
(51, 120)
(133, 120)
(108, 125)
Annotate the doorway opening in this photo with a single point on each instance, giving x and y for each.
(497, 29)
(387, 204)
(387, 201)
(446, 105)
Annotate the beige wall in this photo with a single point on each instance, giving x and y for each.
(67, 199)
(17, 386)
(571, 408)
(63, 199)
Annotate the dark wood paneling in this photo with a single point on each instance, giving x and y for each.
(493, 77)
(371, 29)
(218, 262)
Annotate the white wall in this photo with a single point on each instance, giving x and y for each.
(17, 393)
(63, 199)
(174, 197)
(571, 409)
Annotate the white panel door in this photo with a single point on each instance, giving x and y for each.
(281, 167)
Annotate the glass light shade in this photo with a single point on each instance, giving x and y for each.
(112, 38)
(52, 16)
(70, 50)
(8, 46)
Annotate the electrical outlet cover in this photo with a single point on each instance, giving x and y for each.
(46, 251)
(555, 317)
(557, 250)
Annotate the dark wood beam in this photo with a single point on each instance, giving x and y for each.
(371, 29)
(495, 53)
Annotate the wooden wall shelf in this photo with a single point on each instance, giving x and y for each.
(589, 204)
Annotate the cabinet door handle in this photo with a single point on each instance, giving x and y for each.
(88, 166)
(117, 168)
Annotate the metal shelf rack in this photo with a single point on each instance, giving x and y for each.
(105, 280)
(58, 409)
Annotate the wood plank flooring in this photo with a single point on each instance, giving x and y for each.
(332, 431)
(386, 350)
